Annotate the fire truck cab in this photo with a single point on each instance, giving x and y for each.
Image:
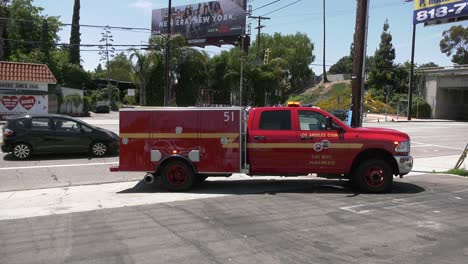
(184, 146)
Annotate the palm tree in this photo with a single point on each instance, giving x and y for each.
(74, 100)
(142, 67)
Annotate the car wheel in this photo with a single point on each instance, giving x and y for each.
(177, 176)
(374, 176)
(22, 151)
(99, 149)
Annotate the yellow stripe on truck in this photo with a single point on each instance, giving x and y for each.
(175, 135)
(302, 145)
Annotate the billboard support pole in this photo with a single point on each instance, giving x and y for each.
(411, 77)
(167, 91)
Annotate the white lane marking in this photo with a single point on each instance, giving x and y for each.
(459, 191)
(352, 209)
(59, 166)
(433, 145)
(403, 205)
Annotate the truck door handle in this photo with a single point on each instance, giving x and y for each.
(259, 137)
(306, 138)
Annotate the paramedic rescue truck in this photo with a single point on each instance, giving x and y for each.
(184, 146)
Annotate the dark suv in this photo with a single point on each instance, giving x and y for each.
(33, 134)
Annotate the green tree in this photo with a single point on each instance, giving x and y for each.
(26, 29)
(3, 24)
(345, 64)
(455, 44)
(428, 65)
(120, 68)
(192, 69)
(270, 82)
(224, 72)
(342, 66)
(142, 68)
(74, 100)
(296, 50)
(46, 43)
(383, 70)
(99, 72)
(75, 40)
(73, 76)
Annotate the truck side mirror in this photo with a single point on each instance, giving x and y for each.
(329, 123)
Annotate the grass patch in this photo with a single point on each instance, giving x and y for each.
(460, 172)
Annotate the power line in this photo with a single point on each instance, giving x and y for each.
(268, 4)
(81, 25)
(283, 7)
(81, 45)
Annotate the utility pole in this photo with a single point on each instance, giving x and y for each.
(360, 41)
(411, 77)
(241, 82)
(324, 46)
(167, 91)
(260, 26)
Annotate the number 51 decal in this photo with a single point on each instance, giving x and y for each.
(228, 116)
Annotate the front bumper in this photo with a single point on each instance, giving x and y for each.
(405, 164)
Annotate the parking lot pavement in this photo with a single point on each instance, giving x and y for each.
(280, 221)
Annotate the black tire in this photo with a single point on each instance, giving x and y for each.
(99, 149)
(21, 151)
(374, 176)
(177, 176)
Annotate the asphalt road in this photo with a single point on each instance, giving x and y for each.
(305, 221)
(432, 139)
(60, 170)
(277, 220)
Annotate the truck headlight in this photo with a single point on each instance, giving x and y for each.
(403, 147)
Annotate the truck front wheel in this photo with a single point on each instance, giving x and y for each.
(177, 176)
(374, 176)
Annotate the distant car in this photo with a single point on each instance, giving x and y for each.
(340, 114)
(25, 135)
(102, 109)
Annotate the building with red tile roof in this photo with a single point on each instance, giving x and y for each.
(24, 88)
(26, 72)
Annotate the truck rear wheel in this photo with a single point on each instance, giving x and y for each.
(177, 176)
(374, 176)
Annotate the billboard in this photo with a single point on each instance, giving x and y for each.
(198, 22)
(427, 11)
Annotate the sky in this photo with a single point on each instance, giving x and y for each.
(304, 16)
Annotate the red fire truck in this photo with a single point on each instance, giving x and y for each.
(184, 146)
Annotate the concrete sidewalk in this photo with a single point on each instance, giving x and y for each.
(436, 164)
(372, 118)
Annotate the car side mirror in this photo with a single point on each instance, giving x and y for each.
(82, 131)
